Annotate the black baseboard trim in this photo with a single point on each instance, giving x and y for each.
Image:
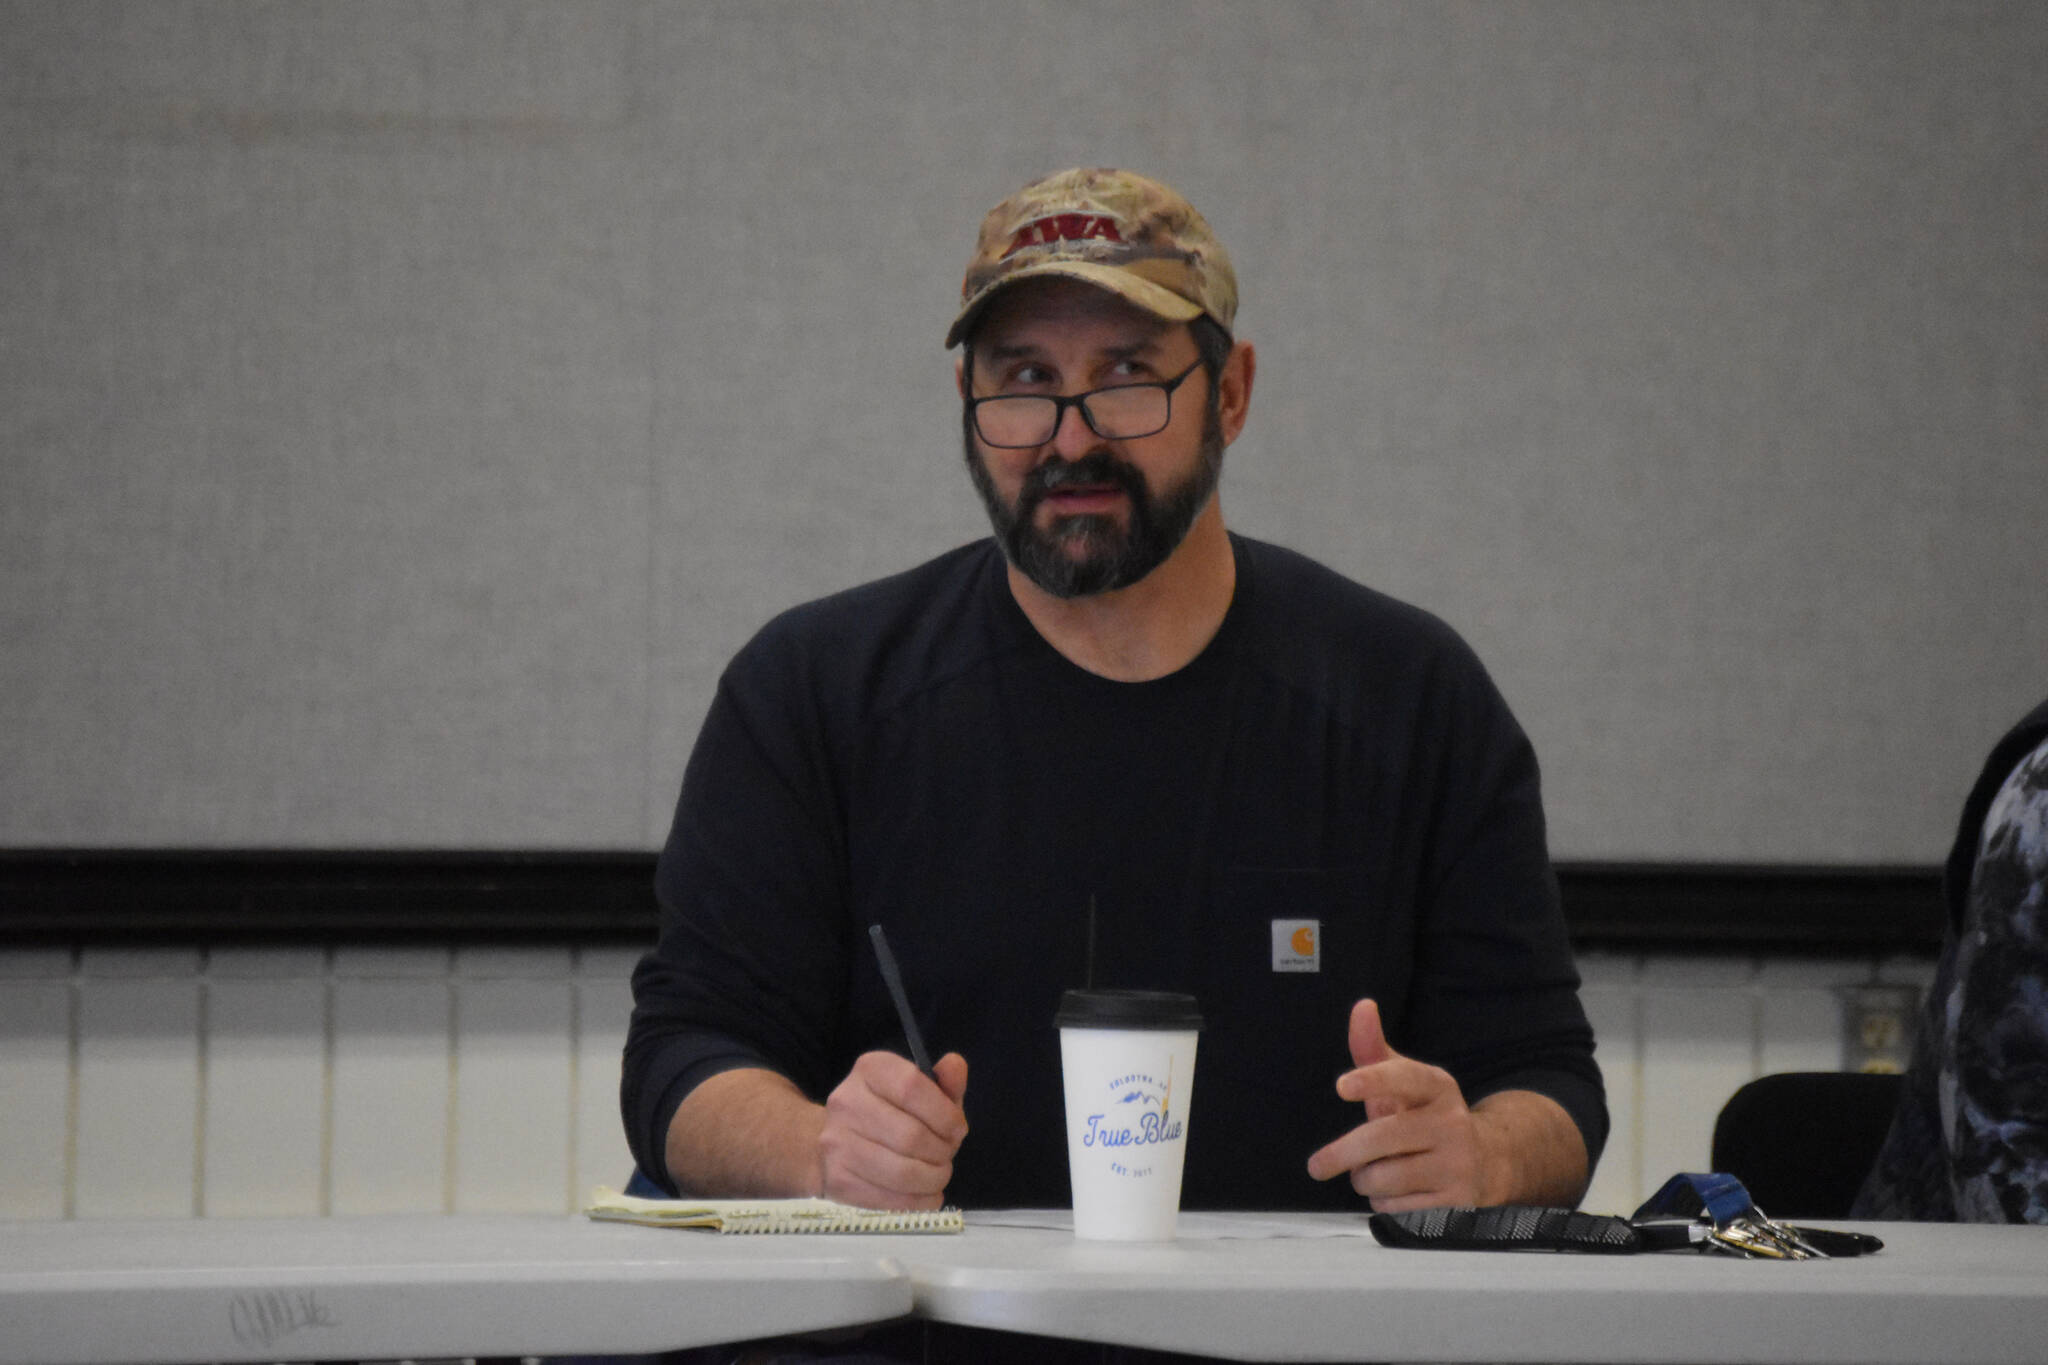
(276, 896)
(100, 897)
(1729, 907)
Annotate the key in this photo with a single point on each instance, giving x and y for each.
(1788, 1235)
(1744, 1235)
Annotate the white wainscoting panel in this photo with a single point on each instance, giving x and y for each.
(137, 1130)
(512, 1081)
(1799, 1012)
(1614, 1006)
(391, 1040)
(604, 1002)
(37, 1024)
(1699, 1043)
(266, 1091)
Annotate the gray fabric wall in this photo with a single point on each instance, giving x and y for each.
(405, 409)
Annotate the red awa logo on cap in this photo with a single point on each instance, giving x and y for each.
(1117, 230)
(1064, 227)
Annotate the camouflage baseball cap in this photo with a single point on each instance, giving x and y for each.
(1115, 229)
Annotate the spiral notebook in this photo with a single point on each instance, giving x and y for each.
(766, 1215)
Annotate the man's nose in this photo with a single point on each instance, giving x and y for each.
(1073, 437)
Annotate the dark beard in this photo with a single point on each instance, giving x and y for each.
(1110, 557)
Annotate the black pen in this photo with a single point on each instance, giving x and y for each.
(893, 979)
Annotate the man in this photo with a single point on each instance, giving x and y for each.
(1294, 798)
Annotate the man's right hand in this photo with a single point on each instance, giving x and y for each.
(890, 1133)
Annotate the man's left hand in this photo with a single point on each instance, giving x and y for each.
(1420, 1145)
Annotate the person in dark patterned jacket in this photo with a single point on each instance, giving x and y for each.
(1970, 1140)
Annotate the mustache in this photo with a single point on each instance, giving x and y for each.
(1096, 468)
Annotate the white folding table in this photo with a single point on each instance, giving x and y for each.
(387, 1288)
(1238, 1286)
(1280, 1287)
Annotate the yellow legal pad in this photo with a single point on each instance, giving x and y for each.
(766, 1215)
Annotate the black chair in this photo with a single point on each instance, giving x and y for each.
(1801, 1142)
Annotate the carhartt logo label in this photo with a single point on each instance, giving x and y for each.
(1297, 945)
(1064, 227)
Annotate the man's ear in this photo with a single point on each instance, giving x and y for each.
(1234, 389)
(960, 373)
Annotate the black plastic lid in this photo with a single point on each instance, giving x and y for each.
(1161, 1010)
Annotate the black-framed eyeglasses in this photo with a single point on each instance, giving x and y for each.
(1122, 412)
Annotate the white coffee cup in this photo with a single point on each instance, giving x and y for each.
(1128, 1062)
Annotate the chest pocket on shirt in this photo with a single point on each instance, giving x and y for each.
(1283, 1031)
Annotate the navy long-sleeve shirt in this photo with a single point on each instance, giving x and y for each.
(912, 753)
